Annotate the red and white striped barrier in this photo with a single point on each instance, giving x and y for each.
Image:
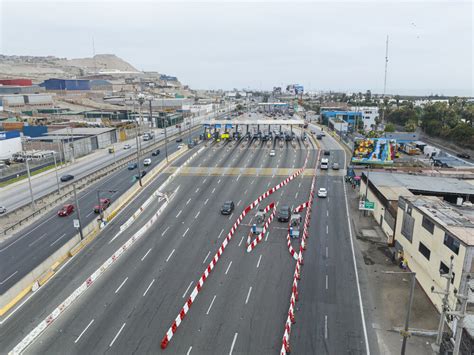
(292, 251)
(249, 236)
(259, 238)
(185, 309)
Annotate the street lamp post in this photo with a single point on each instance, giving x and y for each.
(56, 170)
(165, 122)
(78, 211)
(33, 204)
(141, 100)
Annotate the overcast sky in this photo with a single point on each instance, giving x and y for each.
(321, 45)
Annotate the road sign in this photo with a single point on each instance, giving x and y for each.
(366, 205)
(76, 223)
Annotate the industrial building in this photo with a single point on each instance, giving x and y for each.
(385, 189)
(18, 103)
(430, 232)
(17, 89)
(348, 116)
(66, 84)
(10, 143)
(99, 137)
(16, 82)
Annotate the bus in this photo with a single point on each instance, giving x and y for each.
(324, 164)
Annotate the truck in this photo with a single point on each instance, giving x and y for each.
(148, 136)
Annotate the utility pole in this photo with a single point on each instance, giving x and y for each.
(56, 170)
(78, 211)
(462, 298)
(405, 332)
(165, 121)
(385, 77)
(445, 304)
(29, 184)
(141, 99)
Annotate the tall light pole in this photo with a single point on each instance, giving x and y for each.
(78, 211)
(29, 184)
(141, 100)
(56, 170)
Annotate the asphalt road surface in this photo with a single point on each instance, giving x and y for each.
(242, 306)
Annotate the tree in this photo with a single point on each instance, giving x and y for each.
(390, 127)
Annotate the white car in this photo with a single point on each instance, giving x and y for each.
(3, 209)
(127, 146)
(147, 161)
(272, 152)
(322, 192)
(180, 146)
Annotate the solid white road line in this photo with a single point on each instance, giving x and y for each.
(197, 190)
(248, 295)
(228, 267)
(185, 292)
(327, 229)
(169, 256)
(210, 306)
(37, 240)
(259, 259)
(327, 213)
(233, 343)
(151, 283)
(179, 213)
(268, 184)
(296, 195)
(204, 181)
(87, 215)
(222, 231)
(238, 177)
(356, 273)
(185, 232)
(57, 240)
(326, 282)
(117, 335)
(166, 230)
(189, 350)
(206, 257)
(266, 237)
(325, 327)
(197, 215)
(238, 203)
(144, 256)
(326, 252)
(82, 333)
(123, 283)
(187, 202)
(241, 241)
(245, 193)
(8, 278)
(299, 185)
(218, 181)
(205, 202)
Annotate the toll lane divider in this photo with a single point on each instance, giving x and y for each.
(258, 239)
(285, 347)
(185, 309)
(292, 251)
(54, 315)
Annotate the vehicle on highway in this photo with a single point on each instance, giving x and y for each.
(147, 136)
(111, 150)
(227, 207)
(142, 174)
(155, 153)
(132, 166)
(180, 146)
(322, 192)
(147, 162)
(327, 152)
(179, 140)
(322, 133)
(104, 203)
(3, 209)
(324, 164)
(319, 136)
(127, 146)
(335, 166)
(463, 155)
(66, 210)
(272, 152)
(67, 177)
(283, 213)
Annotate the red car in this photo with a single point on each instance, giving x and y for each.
(66, 210)
(104, 203)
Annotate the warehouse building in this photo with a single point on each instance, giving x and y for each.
(66, 84)
(16, 82)
(19, 103)
(10, 143)
(431, 232)
(99, 137)
(385, 189)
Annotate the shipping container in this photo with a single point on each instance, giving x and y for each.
(34, 131)
(9, 134)
(13, 100)
(16, 82)
(12, 126)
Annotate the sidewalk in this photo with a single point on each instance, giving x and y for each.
(389, 294)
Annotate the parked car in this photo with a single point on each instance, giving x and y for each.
(132, 166)
(319, 136)
(227, 207)
(147, 162)
(142, 174)
(3, 210)
(335, 166)
(463, 155)
(283, 213)
(111, 150)
(127, 146)
(272, 152)
(66, 210)
(156, 152)
(322, 192)
(67, 177)
(104, 203)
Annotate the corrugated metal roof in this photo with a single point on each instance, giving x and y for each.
(422, 183)
(81, 131)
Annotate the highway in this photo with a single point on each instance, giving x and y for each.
(242, 306)
(30, 246)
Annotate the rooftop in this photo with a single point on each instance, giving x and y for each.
(82, 131)
(458, 220)
(422, 183)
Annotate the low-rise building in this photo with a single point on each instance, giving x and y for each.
(369, 116)
(431, 233)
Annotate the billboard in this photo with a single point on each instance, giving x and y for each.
(374, 151)
(299, 89)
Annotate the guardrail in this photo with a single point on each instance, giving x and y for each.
(51, 199)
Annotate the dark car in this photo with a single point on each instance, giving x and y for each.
(66, 210)
(67, 177)
(327, 152)
(179, 140)
(227, 207)
(132, 166)
(463, 155)
(283, 213)
(156, 152)
(142, 173)
(319, 136)
(104, 203)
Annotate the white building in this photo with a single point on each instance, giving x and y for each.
(369, 115)
(10, 143)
